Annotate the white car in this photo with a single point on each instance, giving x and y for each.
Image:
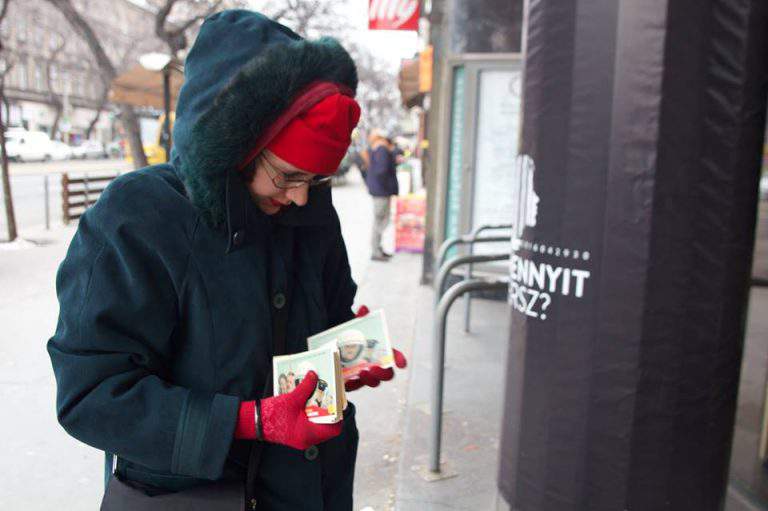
(89, 149)
(22, 145)
(61, 151)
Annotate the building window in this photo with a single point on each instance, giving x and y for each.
(95, 89)
(38, 36)
(21, 29)
(66, 86)
(54, 41)
(10, 77)
(54, 75)
(77, 89)
(23, 74)
(39, 85)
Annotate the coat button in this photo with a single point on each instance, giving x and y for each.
(311, 453)
(278, 301)
(238, 238)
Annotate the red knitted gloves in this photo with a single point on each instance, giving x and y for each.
(372, 376)
(283, 419)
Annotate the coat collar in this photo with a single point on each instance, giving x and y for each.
(243, 215)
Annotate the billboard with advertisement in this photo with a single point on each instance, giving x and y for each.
(410, 214)
(393, 14)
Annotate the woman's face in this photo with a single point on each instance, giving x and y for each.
(271, 169)
(283, 384)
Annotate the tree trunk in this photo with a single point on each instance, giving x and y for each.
(96, 118)
(92, 124)
(58, 107)
(131, 126)
(9, 214)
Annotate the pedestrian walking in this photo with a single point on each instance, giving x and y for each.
(185, 279)
(382, 185)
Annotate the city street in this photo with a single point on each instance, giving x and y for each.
(28, 186)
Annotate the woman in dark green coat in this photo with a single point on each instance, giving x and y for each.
(184, 279)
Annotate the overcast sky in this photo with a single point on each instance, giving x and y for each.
(391, 45)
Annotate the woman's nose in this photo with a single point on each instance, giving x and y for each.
(298, 195)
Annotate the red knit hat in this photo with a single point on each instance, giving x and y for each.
(317, 140)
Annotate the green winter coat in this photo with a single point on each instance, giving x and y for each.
(167, 291)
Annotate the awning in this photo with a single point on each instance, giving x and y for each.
(408, 83)
(139, 86)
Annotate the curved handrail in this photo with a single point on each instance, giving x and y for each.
(445, 269)
(438, 358)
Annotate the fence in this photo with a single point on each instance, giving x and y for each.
(78, 193)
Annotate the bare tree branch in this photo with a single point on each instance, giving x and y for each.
(84, 30)
(186, 26)
(53, 96)
(175, 37)
(108, 74)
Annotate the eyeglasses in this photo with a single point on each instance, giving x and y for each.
(285, 181)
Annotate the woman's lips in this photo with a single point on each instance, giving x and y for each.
(276, 203)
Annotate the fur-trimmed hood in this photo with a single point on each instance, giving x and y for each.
(242, 72)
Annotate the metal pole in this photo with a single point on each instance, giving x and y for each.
(463, 240)
(87, 199)
(47, 203)
(445, 270)
(167, 107)
(65, 197)
(438, 359)
(468, 275)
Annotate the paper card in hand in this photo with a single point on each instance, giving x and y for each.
(328, 401)
(363, 342)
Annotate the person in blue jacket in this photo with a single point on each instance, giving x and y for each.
(381, 180)
(185, 278)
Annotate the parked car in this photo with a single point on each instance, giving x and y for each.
(89, 149)
(23, 145)
(61, 151)
(116, 148)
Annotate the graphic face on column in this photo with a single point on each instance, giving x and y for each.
(525, 199)
(541, 272)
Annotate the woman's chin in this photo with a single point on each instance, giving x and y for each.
(268, 208)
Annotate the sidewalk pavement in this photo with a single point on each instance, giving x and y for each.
(472, 410)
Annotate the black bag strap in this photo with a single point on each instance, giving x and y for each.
(109, 463)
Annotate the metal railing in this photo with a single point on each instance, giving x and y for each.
(464, 240)
(443, 303)
(451, 264)
(438, 357)
(469, 275)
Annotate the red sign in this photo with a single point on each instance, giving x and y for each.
(410, 223)
(393, 14)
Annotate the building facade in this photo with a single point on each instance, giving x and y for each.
(51, 68)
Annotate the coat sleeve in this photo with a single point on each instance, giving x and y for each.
(340, 289)
(113, 345)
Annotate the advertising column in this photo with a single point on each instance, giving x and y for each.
(634, 199)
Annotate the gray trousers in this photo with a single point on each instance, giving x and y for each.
(380, 221)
